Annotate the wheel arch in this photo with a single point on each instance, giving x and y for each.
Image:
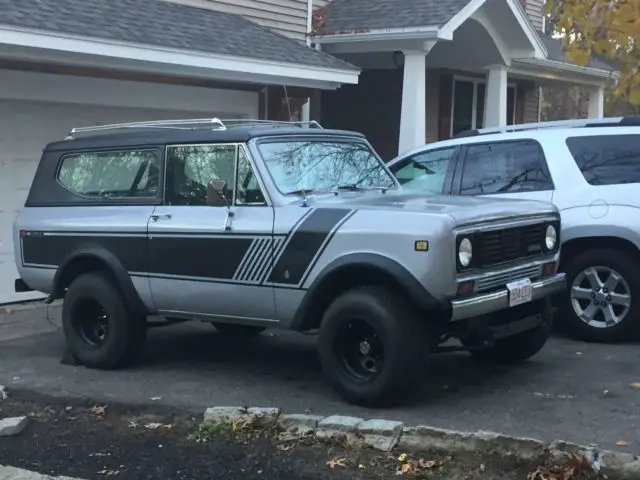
(579, 244)
(359, 269)
(93, 259)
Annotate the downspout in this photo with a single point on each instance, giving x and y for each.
(305, 112)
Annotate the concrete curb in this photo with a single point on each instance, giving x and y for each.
(11, 473)
(385, 435)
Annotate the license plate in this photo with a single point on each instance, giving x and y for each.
(519, 292)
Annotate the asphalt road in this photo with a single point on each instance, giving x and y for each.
(572, 391)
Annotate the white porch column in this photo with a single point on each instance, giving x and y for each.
(495, 109)
(414, 98)
(305, 111)
(596, 102)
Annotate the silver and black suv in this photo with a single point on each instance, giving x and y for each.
(250, 225)
(590, 169)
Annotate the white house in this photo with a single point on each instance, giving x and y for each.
(432, 68)
(409, 71)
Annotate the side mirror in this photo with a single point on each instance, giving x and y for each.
(216, 194)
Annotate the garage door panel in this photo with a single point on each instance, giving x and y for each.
(25, 128)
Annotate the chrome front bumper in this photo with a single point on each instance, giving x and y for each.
(491, 302)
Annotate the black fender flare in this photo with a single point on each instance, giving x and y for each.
(399, 274)
(111, 263)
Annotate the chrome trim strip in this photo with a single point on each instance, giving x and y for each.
(495, 301)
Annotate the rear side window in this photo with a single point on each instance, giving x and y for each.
(505, 167)
(607, 159)
(121, 174)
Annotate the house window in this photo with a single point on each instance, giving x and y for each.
(468, 104)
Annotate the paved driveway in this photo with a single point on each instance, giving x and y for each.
(573, 391)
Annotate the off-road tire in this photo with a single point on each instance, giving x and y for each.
(518, 348)
(624, 263)
(238, 331)
(126, 330)
(403, 336)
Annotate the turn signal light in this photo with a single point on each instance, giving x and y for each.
(465, 288)
(548, 269)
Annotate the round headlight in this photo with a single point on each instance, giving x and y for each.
(465, 252)
(550, 237)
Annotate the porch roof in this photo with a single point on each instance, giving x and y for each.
(170, 27)
(358, 16)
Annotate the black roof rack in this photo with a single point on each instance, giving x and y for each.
(629, 121)
(190, 124)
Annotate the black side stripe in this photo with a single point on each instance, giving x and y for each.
(305, 244)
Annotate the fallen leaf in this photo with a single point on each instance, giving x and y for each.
(338, 462)
(635, 386)
(578, 353)
(362, 467)
(402, 457)
(621, 443)
(234, 427)
(155, 399)
(99, 410)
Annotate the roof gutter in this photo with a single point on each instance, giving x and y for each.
(431, 32)
(569, 68)
(221, 66)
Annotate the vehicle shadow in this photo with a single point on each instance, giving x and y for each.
(290, 360)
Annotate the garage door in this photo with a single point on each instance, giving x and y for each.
(25, 128)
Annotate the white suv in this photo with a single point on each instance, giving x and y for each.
(590, 169)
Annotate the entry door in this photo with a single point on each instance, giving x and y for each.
(511, 169)
(207, 256)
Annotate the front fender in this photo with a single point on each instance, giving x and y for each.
(393, 270)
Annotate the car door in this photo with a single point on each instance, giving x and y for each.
(208, 253)
(510, 169)
(428, 172)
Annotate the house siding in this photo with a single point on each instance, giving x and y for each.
(535, 10)
(531, 104)
(287, 17)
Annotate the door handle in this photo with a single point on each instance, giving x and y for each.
(157, 216)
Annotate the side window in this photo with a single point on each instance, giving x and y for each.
(607, 159)
(111, 175)
(248, 191)
(505, 167)
(190, 168)
(425, 172)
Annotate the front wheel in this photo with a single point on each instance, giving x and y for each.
(372, 345)
(600, 304)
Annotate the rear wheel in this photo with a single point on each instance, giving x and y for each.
(372, 345)
(601, 304)
(101, 331)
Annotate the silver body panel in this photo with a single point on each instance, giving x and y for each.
(180, 266)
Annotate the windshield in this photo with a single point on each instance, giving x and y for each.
(305, 166)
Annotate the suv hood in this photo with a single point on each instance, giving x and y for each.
(464, 210)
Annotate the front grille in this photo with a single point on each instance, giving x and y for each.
(507, 245)
(499, 280)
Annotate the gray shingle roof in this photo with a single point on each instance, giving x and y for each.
(160, 23)
(349, 16)
(556, 52)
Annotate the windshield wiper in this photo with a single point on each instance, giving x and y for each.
(352, 187)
